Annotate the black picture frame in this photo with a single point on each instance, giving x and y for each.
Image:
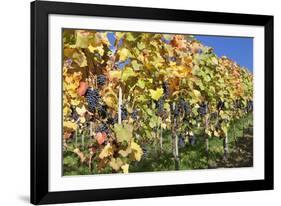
(40, 112)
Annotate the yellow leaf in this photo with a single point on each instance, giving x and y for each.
(126, 152)
(216, 134)
(114, 75)
(137, 151)
(115, 163)
(75, 102)
(125, 168)
(127, 73)
(156, 94)
(91, 48)
(80, 58)
(99, 49)
(197, 93)
(81, 111)
(107, 151)
(110, 101)
(70, 125)
(215, 60)
(123, 54)
(82, 119)
(66, 111)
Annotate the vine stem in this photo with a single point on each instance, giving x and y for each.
(207, 140)
(91, 129)
(82, 139)
(119, 105)
(76, 137)
(161, 138)
(225, 147)
(175, 142)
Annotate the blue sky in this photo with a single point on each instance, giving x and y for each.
(239, 49)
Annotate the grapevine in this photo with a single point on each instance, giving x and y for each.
(145, 90)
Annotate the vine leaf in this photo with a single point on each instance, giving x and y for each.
(123, 132)
(156, 94)
(107, 151)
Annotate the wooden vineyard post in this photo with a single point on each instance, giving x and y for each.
(161, 139)
(82, 140)
(225, 147)
(76, 137)
(207, 141)
(174, 140)
(91, 129)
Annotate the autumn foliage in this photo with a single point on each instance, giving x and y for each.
(119, 97)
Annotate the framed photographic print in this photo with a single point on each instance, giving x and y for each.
(133, 102)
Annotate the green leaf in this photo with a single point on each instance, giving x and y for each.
(127, 73)
(136, 65)
(123, 132)
(141, 83)
(82, 39)
(140, 45)
(156, 94)
(130, 37)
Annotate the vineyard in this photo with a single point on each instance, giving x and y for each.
(152, 102)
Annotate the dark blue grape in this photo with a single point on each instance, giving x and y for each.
(102, 128)
(175, 110)
(220, 105)
(250, 106)
(165, 87)
(238, 104)
(124, 113)
(192, 140)
(181, 141)
(134, 115)
(101, 80)
(160, 106)
(145, 152)
(203, 109)
(74, 114)
(112, 121)
(92, 97)
(184, 106)
(102, 110)
(214, 115)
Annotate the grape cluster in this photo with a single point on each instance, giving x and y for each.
(237, 104)
(124, 113)
(218, 124)
(165, 87)
(175, 110)
(160, 106)
(112, 121)
(92, 97)
(101, 80)
(145, 152)
(134, 115)
(203, 109)
(220, 105)
(214, 115)
(192, 140)
(102, 110)
(184, 106)
(102, 128)
(181, 141)
(250, 106)
(74, 114)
